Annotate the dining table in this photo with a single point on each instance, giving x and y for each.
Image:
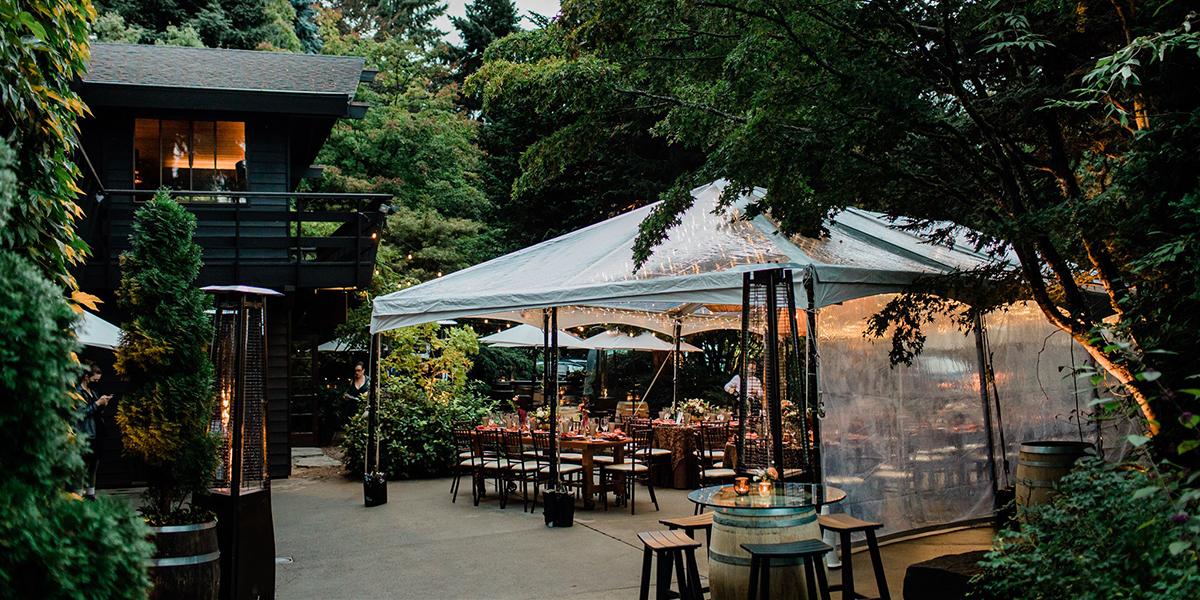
(786, 512)
(681, 441)
(588, 446)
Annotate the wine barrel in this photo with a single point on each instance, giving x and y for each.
(729, 564)
(1041, 464)
(185, 562)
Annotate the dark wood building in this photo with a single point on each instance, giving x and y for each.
(232, 133)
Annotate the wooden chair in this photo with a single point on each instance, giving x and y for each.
(468, 461)
(710, 476)
(572, 475)
(516, 468)
(632, 470)
(809, 551)
(670, 547)
(493, 464)
(714, 436)
(845, 525)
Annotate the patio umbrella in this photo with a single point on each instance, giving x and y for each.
(340, 345)
(615, 340)
(94, 331)
(528, 336)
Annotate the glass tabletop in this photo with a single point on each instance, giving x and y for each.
(783, 495)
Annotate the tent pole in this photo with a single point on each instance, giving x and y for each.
(742, 388)
(812, 392)
(550, 386)
(675, 384)
(987, 408)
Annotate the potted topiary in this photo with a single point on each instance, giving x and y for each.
(165, 416)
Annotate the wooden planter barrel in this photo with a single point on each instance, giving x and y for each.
(729, 565)
(1041, 464)
(185, 562)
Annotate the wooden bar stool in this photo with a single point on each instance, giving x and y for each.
(808, 551)
(689, 525)
(670, 546)
(845, 525)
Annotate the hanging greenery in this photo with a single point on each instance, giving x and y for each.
(107, 550)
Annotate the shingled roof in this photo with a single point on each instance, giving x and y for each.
(221, 69)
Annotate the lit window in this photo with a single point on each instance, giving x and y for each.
(203, 156)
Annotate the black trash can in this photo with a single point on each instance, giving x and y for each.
(374, 490)
(560, 508)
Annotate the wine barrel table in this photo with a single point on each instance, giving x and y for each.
(787, 514)
(1041, 464)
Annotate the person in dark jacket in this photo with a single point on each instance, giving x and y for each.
(359, 385)
(91, 424)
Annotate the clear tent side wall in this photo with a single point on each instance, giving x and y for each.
(910, 444)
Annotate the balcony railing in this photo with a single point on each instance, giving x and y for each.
(284, 240)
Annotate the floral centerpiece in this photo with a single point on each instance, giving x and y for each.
(540, 417)
(696, 407)
(793, 416)
(768, 474)
(766, 479)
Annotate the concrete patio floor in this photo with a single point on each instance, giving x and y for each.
(420, 545)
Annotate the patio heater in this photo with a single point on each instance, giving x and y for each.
(241, 497)
(559, 505)
(771, 342)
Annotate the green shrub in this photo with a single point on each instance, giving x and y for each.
(58, 546)
(163, 356)
(1111, 532)
(423, 391)
(52, 544)
(416, 437)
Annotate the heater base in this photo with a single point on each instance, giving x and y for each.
(254, 534)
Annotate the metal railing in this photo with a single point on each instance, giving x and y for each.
(326, 240)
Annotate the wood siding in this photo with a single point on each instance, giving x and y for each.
(279, 451)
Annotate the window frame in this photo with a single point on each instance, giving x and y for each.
(182, 195)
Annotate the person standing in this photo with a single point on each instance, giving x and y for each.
(754, 388)
(91, 424)
(359, 385)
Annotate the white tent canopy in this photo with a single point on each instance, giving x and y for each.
(528, 336)
(700, 263)
(96, 332)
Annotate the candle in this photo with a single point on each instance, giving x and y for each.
(741, 485)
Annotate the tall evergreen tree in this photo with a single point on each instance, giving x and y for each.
(410, 20)
(307, 29)
(163, 356)
(485, 22)
(243, 24)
